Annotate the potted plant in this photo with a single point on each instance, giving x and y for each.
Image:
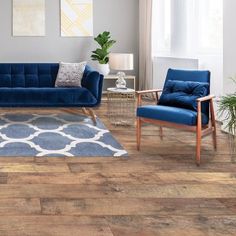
(227, 108)
(101, 54)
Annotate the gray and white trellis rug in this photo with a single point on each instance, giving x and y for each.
(60, 135)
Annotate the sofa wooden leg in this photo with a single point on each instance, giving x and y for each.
(85, 111)
(138, 133)
(93, 116)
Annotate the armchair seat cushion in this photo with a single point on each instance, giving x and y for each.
(171, 114)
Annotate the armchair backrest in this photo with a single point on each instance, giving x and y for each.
(194, 76)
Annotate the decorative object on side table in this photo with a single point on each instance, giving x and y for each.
(110, 81)
(121, 62)
(121, 106)
(101, 55)
(227, 109)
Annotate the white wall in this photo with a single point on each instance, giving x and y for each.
(229, 57)
(162, 64)
(118, 16)
(229, 44)
(213, 63)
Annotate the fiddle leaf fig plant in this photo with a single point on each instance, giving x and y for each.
(105, 42)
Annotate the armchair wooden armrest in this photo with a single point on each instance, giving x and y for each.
(199, 106)
(207, 98)
(149, 91)
(140, 93)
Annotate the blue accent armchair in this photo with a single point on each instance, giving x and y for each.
(185, 103)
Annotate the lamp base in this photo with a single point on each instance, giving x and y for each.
(121, 83)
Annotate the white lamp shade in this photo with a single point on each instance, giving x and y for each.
(121, 61)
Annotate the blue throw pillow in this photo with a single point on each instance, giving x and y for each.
(183, 94)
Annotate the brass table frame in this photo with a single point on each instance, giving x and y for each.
(121, 106)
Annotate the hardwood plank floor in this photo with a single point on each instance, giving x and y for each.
(157, 191)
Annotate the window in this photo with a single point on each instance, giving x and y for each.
(210, 28)
(189, 27)
(161, 26)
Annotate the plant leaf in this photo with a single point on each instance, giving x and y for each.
(105, 43)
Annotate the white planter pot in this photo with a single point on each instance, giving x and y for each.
(103, 69)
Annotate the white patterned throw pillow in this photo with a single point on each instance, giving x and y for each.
(70, 74)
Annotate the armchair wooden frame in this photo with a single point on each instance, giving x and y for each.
(200, 130)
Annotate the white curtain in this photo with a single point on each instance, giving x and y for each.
(145, 45)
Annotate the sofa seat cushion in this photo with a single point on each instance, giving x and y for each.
(49, 97)
(171, 114)
(183, 94)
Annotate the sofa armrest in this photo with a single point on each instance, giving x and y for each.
(93, 81)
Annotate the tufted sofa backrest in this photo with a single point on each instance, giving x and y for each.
(15, 75)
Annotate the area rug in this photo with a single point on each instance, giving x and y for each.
(60, 135)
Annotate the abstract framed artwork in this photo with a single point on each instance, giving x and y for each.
(76, 18)
(28, 18)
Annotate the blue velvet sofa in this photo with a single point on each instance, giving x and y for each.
(33, 85)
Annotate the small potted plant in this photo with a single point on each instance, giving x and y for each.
(101, 54)
(227, 108)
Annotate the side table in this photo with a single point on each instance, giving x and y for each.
(110, 80)
(121, 106)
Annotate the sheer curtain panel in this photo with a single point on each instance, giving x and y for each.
(145, 45)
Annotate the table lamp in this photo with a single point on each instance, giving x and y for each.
(121, 62)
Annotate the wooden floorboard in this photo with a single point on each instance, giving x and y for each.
(40, 225)
(157, 191)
